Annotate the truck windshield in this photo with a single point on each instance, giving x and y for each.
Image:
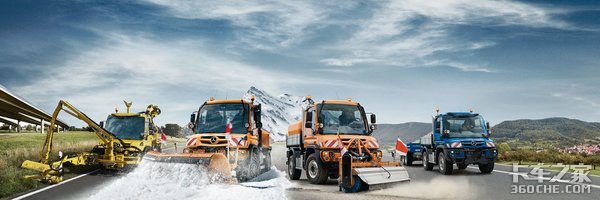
(342, 119)
(131, 128)
(464, 126)
(213, 118)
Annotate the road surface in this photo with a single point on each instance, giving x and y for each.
(463, 184)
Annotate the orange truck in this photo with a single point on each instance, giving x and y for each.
(228, 138)
(333, 140)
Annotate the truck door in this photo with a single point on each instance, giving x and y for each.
(308, 118)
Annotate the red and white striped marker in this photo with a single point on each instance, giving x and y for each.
(343, 148)
(191, 142)
(373, 144)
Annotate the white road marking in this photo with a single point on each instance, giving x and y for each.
(52, 186)
(63, 182)
(542, 178)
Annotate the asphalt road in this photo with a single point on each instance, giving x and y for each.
(463, 184)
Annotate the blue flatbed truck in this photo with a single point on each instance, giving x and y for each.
(413, 154)
(460, 138)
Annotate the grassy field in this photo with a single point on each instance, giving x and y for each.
(595, 172)
(15, 148)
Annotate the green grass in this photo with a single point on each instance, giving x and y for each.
(15, 148)
(595, 172)
(18, 147)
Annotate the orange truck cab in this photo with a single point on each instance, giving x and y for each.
(247, 151)
(333, 140)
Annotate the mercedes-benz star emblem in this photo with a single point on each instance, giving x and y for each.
(213, 140)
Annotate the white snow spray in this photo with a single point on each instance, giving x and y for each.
(157, 180)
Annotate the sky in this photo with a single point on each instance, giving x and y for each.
(400, 59)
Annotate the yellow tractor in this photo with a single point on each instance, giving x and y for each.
(229, 141)
(123, 141)
(333, 140)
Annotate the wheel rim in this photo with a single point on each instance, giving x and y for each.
(424, 160)
(442, 162)
(313, 169)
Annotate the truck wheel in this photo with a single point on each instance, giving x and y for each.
(486, 168)
(251, 168)
(403, 160)
(293, 173)
(315, 170)
(267, 161)
(461, 165)
(428, 166)
(444, 165)
(409, 159)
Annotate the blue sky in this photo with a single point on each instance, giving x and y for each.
(401, 59)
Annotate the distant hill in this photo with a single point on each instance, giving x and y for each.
(408, 132)
(562, 131)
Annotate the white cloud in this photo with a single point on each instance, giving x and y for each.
(176, 75)
(408, 33)
(265, 25)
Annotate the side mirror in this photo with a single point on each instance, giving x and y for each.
(193, 118)
(309, 116)
(489, 128)
(257, 116)
(101, 124)
(373, 119)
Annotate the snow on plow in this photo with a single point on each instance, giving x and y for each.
(215, 163)
(228, 142)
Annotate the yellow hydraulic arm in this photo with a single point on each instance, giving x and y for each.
(106, 137)
(50, 171)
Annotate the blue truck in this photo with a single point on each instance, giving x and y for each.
(460, 138)
(413, 154)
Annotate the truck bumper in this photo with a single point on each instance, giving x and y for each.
(473, 156)
(416, 155)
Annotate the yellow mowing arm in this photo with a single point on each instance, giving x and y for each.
(103, 135)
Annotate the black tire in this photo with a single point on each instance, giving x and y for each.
(409, 159)
(157, 148)
(426, 165)
(486, 168)
(267, 160)
(251, 168)
(461, 166)
(316, 173)
(145, 151)
(293, 173)
(445, 166)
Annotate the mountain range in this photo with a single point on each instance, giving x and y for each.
(281, 110)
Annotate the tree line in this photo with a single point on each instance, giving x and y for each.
(505, 153)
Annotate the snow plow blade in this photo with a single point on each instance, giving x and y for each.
(215, 162)
(382, 175)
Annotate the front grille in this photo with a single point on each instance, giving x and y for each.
(219, 140)
(473, 144)
(346, 141)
